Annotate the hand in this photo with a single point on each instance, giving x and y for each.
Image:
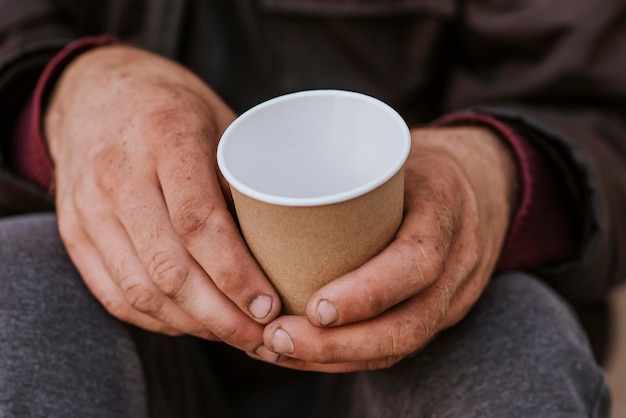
(459, 194)
(141, 206)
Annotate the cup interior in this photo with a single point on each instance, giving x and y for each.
(315, 147)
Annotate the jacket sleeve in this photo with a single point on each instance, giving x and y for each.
(31, 33)
(556, 71)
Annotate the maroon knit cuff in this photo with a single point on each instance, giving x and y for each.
(30, 157)
(542, 231)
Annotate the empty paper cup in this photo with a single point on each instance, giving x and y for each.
(317, 182)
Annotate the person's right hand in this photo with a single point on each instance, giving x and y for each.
(140, 202)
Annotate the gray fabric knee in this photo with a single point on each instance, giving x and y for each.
(519, 353)
(61, 354)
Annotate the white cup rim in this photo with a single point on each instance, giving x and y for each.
(318, 200)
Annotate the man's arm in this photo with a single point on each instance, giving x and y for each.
(31, 33)
(555, 74)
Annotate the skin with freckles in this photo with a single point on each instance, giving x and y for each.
(141, 207)
(146, 218)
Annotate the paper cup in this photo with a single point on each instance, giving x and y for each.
(317, 180)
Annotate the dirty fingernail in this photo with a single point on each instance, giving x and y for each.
(260, 306)
(282, 343)
(327, 313)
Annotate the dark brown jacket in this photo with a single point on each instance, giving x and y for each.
(553, 69)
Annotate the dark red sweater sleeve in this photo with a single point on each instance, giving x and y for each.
(29, 152)
(543, 229)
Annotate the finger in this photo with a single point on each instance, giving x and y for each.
(176, 274)
(472, 280)
(123, 266)
(94, 274)
(411, 263)
(399, 331)
(461, 303)
(110, 296)
(201, 219)
(402, 270)
(346, 367)
(396, 333)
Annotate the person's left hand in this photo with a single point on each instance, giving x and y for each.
(460, 191)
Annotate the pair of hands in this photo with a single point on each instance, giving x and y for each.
(146, 218)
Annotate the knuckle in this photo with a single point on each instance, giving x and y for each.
(174, 117)
(168, 119)
(143, 298)
(111, 167)
(87, 207)
(118, 307)
(426, 260)
(193, 216)
(230, 333)
(115, 306)
(218, 220)
(168, 273)
(231, 276)
(171, 123)
(373, 301)
(399, 340)
(437, 260)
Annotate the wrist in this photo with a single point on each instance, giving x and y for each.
(485, 159)
(30, 155)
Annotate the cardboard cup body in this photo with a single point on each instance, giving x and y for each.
(301, 248)
(317, 181)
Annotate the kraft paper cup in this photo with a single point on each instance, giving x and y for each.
(317, 180)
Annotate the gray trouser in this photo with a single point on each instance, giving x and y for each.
(519, 353)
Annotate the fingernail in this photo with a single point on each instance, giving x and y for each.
(260, 306)
(326, 313)
(266, 354)
(281, 342)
